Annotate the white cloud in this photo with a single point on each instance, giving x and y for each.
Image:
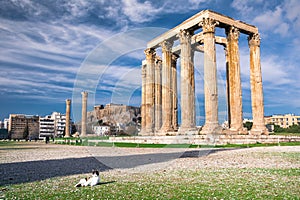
(139, 12)
(272, 20)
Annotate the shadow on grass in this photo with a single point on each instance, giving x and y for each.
(22, 172)
(104, 183)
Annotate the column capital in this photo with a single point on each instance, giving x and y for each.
(150, 53)
(158, 62)
(68, 101)
(175, 56)
(166, 45)
(208, 25)
(254, 40)
(84, 93)
(233, 33)
(185, 36)
(157, 59)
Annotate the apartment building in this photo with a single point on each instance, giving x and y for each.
(47, 127)
(283, 121)
(23, 126)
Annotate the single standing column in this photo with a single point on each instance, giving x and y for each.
(166, 86)
(68, 111)
(258, 126)
(227, 86)
(158, 93)
(187, 85)
(234, 81)
(143, 106)
(84, 113)
(174, 92)
(150, 90)
(210, 77)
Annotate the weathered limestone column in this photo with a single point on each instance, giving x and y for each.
(166, 86)
(68, 112)
(158, 93)
(174, 92)
(143, 106)
(210, 77)
(234, 81)
(256, 86)
(84, 113)
(227, 86)
(150, 90)
(188, 117)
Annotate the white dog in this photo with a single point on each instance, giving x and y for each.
(92, 181)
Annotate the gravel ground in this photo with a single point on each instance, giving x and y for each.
(37, 161)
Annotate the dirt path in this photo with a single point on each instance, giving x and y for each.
(37, 161)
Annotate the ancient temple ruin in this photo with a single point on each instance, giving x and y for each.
(159, 77)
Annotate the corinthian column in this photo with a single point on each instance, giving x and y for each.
(158, 93)
(150, 90)
(84, 113)
(210, 77)
(143, 106)
(234, 81)
(187, 83)
(174, 92)
(68, 111)
(166, 86)
(256, 86)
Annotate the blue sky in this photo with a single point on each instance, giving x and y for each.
(51, 50)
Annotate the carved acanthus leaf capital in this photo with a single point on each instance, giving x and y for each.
(166, 45)
(158, 62)
(150, 54)
(208, 25)
(233, 33)
(184, 36)
(254, 39)
(175, 56)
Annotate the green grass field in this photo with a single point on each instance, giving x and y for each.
(201, 184)
(204, 183)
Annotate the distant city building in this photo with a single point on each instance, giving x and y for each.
(23, 126)
(59, 123)
(101, 130)
(6, 123)
(283, 121)
(47, 127)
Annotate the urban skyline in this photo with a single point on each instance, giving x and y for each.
(44, 46)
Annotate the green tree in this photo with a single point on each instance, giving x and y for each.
(278, 129)
(248, 125)
(293, 129)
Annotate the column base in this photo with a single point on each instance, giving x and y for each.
(211, 128)
(259, 130)
(183, 130)
(235, 131)
(166, 129)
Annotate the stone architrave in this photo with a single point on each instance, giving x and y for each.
(68, 113)
(84, 113)
(143, 106)
(150, 90)
(210, 76)
(166, 86)
(187, 83)
(158, 93)
(174, 92)
(258, 126)
(234, 81)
